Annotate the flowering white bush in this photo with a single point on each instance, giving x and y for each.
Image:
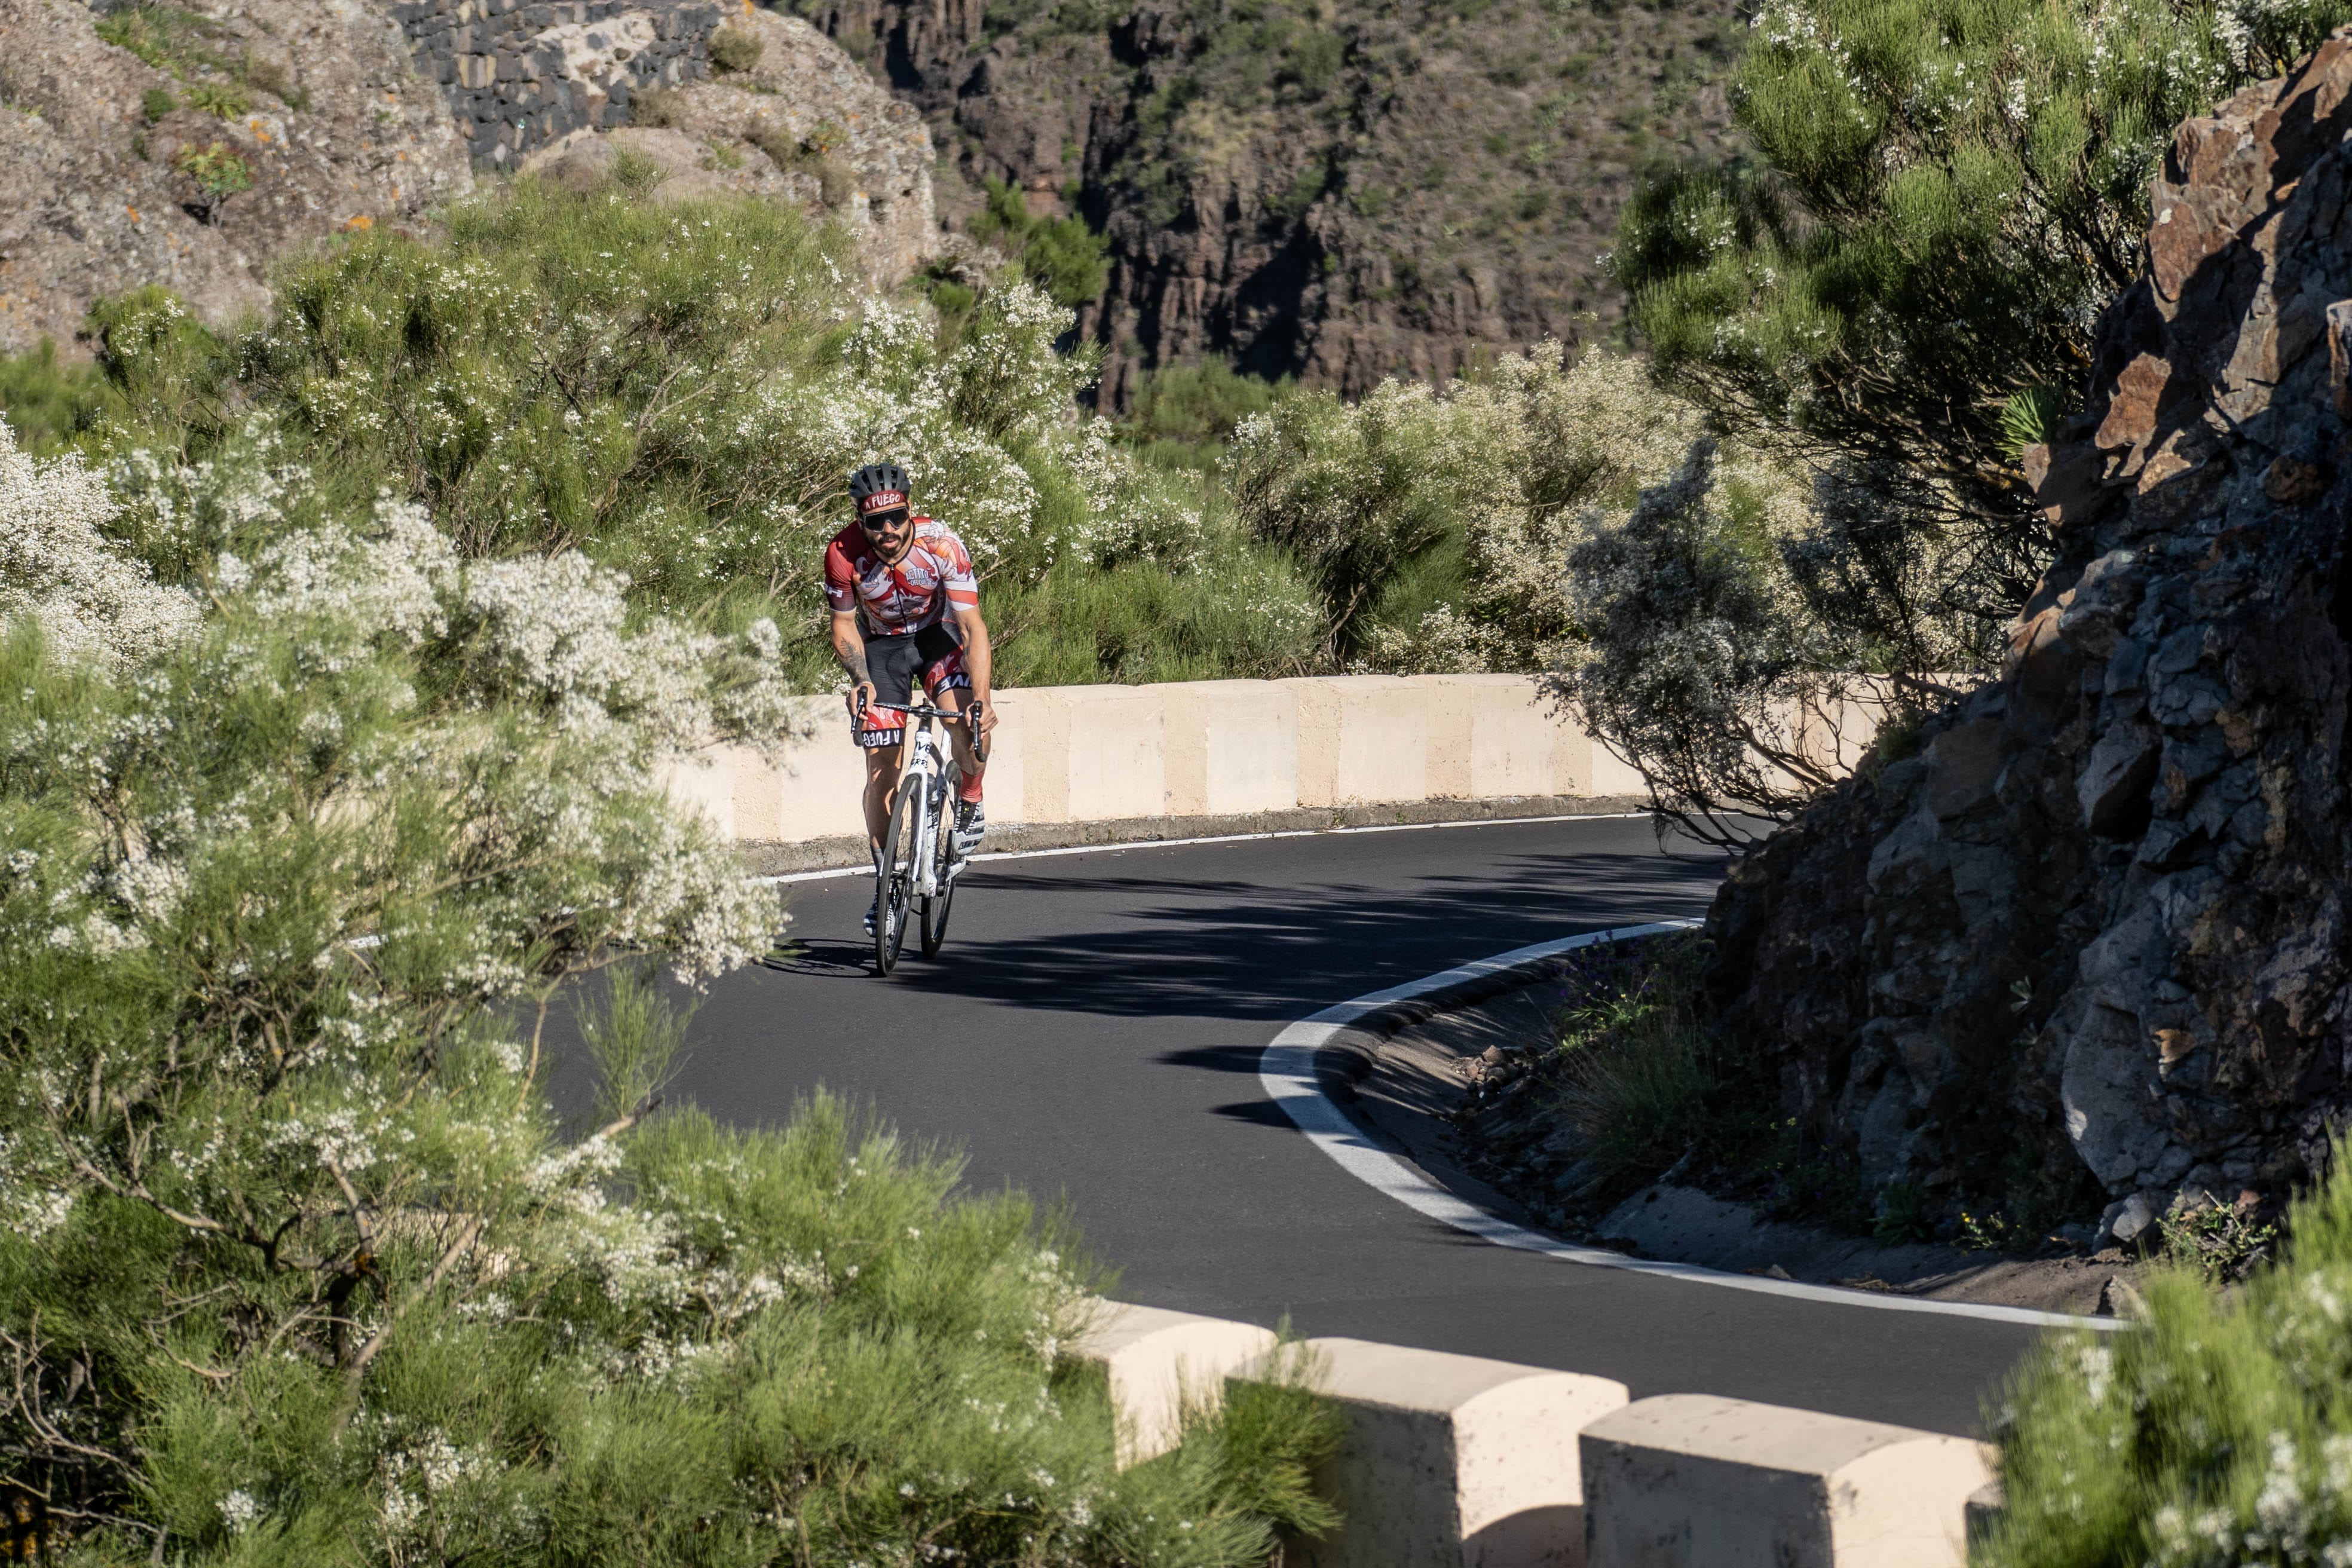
(56, 567)
(1510, 469)
(2215, 1435)
(295, 1254)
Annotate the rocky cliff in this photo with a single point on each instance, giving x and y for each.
(801, 124)
(1305, 188)
(195, 146)
(2097, 924)
(123, 126)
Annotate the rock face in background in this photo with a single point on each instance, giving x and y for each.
(520, 76)
(92, 203)
(1333, 192)
(2104, 907)
(316, 103)
(805, 126)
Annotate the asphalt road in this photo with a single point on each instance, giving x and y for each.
(1092, 1033)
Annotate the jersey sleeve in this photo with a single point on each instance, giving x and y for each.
(840, 579)
(956, 576)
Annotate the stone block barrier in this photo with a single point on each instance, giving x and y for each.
(1689, 1480)
(1452, 1461)
(1158, 1362)
(1233, 752)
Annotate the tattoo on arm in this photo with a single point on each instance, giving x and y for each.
(850, 649)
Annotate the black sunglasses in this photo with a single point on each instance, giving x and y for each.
(881, 522)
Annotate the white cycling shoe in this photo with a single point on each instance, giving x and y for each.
(971, 826)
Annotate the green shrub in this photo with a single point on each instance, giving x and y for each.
(47, 402)
(2217, 1433)
(215, 174)
(1064, 257)
(736, 48)
(1242, 613)
(1182, 415)
(1437, 522)
(157, 103)
(218, 99)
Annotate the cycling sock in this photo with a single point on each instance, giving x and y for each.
(969, 790)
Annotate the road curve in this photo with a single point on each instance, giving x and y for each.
(1093, 1033)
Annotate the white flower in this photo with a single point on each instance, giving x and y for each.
(56, 565)
(239, 1509)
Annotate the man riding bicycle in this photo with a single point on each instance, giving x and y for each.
(906, 605)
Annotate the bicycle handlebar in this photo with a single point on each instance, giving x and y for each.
(916, 710)
(922, 710)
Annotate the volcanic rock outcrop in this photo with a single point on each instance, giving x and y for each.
(1335, 192)
(2098, 922)
(803, 125)
(113, 157)
(198, 145)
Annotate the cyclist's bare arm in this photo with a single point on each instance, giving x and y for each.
(977, 662)
(849, 647)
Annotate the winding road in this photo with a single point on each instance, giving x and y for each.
(1093, 1033)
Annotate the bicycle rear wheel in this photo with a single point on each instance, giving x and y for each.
(894, 879)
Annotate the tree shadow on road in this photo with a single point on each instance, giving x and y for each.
(1241, 950)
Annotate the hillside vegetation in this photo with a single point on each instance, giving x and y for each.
(677, 391)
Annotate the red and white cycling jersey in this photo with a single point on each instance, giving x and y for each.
(934, 577)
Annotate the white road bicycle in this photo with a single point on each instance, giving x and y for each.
(919, 859)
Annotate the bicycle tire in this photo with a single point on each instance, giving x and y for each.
(894, 883)
(937, 905)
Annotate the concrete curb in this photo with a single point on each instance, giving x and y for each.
(1293, 1070)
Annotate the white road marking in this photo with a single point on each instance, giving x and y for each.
(1220, 839)
(1286, 1069)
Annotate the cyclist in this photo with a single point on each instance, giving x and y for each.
(906, 605)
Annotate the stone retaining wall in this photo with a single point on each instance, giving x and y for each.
(520, 73)
(1197, 750)
(1470, 1463)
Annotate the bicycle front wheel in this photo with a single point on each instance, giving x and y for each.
(935, 913)
(894, 891)
(942, 847)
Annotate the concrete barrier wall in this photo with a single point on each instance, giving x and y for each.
(1209, 748)
(1451, 1461)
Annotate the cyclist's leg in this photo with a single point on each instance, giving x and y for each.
(881, 778)
(891, 662)
(948, 685)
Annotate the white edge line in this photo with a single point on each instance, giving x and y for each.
(1288, 1071)
(1219, 838)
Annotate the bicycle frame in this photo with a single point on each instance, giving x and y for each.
(922, 765)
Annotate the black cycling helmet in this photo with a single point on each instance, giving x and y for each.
(879, 487)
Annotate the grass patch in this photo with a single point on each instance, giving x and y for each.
(736, 48)
(1636, 1071)
(198, 51)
